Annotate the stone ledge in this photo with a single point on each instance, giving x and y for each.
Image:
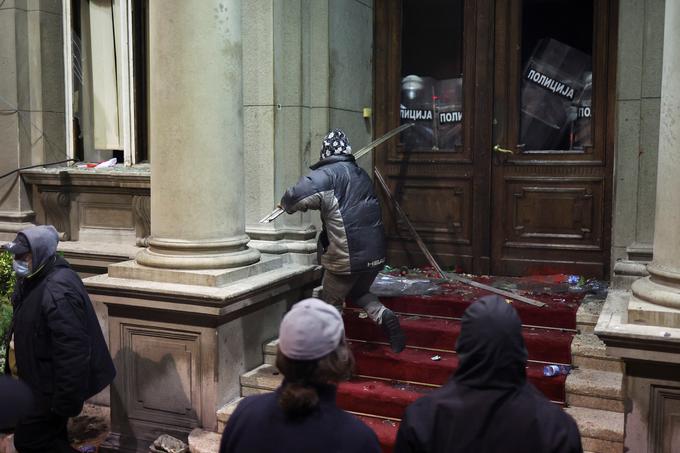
(601, 446)
(600, 384)
(264, 377)
(207, 277)
(633, 341)
(201, 441)
(225, 412)
(200, 300)
(589, 352)
(588, 313)
(598, 424)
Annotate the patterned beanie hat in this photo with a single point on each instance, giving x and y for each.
(336, 142)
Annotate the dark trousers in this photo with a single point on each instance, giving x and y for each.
(42, 433)
(337, 287)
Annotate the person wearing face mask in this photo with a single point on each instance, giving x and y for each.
(59, 348)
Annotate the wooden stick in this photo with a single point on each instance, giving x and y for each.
(433, 262)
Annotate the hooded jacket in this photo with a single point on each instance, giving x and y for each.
(353, 235)
(488, 406)
(327, 429)
(60, 349)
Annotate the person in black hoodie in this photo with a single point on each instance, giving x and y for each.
(352, 242)
(488, 406)
(301, 415)
(59, 349)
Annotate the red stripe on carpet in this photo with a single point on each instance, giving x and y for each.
(386, 430)
(384, 398)
(547, 345)
(416, 365)
(560, 309)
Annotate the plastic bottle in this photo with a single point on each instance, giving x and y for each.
(556, 370)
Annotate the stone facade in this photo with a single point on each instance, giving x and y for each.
(188, 285)
(638, 96)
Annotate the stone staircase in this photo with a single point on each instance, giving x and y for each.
(595, 388)
(594, 394)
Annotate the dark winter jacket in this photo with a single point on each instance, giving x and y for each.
(60, 349)
(259, 425)
(353, 231)
(488, 406)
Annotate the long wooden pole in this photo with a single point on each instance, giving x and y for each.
(433, 262)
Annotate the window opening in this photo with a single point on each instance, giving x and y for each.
(431, 77)
(556, 84)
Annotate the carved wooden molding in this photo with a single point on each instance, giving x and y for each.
(664, 418)
(141, 207)
(57, 206)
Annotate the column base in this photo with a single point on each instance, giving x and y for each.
(213, 254)
(13, 222)
(179, 349)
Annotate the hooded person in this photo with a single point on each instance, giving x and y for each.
(488, 406)
(59, 349)
(301, 415)
(352, 242)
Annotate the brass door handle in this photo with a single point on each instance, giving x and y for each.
(498, 149)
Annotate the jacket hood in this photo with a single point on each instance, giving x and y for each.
(490, 347)
(43, 240)
(333, 159)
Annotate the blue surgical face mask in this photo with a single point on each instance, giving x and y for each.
(21, 268)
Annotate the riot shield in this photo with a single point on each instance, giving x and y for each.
(553, 79)
(435, 106)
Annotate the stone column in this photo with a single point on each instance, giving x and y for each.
(196, 136)
(656, 299)
(31, 102)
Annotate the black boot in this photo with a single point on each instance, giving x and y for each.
(390, 324)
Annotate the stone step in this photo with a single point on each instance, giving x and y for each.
(589, 352)
(225, 412)
(269, 351)
(264, 378)
(588, 313)
(595, 389)
(202, 441)
(601, 431)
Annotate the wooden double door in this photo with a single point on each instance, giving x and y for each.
(508, 167)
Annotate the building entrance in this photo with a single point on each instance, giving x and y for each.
(508, 168)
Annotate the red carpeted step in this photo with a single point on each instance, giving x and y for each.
(560, 310)
(386, 430)
(417, 366)
(376, 397)
(547, 345)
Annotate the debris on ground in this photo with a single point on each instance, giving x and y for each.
(386, 285)
(89, 429)
(556, 370)
(426, 281)
(168, 444)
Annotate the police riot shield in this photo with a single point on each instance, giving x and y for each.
(552, 82)
(582, 124)
(449, 109)
(435, 106)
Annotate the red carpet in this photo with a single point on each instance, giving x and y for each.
(387, 382)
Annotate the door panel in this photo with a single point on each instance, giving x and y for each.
(551, 203)
(530, 76)
(441, 183)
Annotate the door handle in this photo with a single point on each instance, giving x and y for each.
(498, 149)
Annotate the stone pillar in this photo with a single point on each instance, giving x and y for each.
(656, 299)
(196, 137)
(31, 102)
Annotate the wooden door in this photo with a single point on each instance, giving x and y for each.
(551, 198)
(547, 206)
(442, 184)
